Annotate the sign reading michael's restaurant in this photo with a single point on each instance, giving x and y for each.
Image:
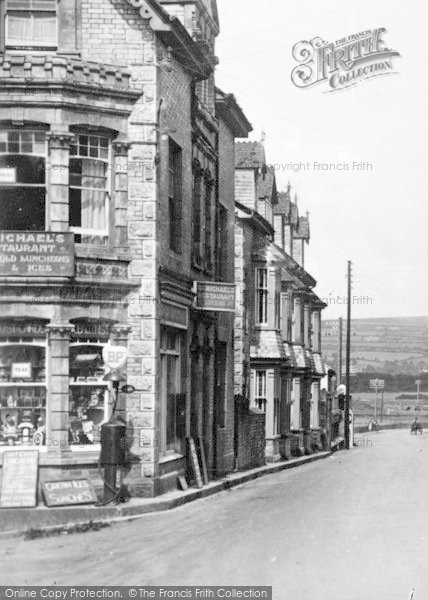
(43, 254)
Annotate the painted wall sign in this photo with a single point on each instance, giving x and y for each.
(18, 329)
(72, 491)
(36, 254)
(19, 479)
(215, 296)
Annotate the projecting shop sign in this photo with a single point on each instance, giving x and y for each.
(36, 254)
(215, 296)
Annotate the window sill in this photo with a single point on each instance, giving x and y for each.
(83, 251)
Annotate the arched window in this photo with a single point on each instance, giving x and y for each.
(23, 180)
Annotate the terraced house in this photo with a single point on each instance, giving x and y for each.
(278, 362)
(110, 212)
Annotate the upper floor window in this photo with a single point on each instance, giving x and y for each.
(31, 24)
(175, 196)
(261, 296)
(22, 180)
(89, 189)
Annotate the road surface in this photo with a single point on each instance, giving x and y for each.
(350, 527)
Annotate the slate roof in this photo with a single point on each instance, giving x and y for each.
(282, 207)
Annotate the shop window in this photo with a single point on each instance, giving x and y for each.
(89, 189)
(22, 180)
(260, 391)
(31, 24)
(261, 296)
(175, 196)
(173, 411)
(88, 403)
(22, 393)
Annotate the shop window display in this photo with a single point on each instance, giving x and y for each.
(88, 404)
(22, 394)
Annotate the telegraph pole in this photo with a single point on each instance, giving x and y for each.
(340, 349)
(348, 358)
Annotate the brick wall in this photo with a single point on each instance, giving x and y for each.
(251, 437)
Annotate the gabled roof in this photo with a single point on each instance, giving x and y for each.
(283, 205)
(266, 185)
(249, 155)
(303, 232)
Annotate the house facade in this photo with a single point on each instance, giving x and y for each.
(277, 325)
(113, 206)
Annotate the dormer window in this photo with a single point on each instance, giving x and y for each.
(31, 24)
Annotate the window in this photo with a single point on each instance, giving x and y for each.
(260, 397)
(175, 196)
(22, 392)
(88, 403)
(222, 244)
(31, 24)
(276, 429)
(197, 182)
(89, 185)
(208, 225)
(173, 400)
(278, 312)
(22, 180)
(261, 296)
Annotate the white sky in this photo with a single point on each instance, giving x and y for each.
(377, 219)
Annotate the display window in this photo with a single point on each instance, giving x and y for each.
(22, 393)
(89, 393)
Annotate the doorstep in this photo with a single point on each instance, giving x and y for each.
(18, 521)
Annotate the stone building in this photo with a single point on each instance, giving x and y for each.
(278, 363)
(113, 203)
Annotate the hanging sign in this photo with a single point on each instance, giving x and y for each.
(115, 356)
(215, 296)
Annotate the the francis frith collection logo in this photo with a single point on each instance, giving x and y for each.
(343, 63)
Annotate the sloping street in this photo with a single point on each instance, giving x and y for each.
(350, 527)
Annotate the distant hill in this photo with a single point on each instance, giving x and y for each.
(390, 345)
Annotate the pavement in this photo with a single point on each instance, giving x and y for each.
(351, 527)
(22, 521)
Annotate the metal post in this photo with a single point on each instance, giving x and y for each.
(340, 349)
(375, 402)
(348, 360)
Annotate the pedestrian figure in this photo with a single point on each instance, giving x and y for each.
(411, 594)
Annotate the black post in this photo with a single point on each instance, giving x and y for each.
(348, 360)
(340, 349)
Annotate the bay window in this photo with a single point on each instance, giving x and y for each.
(23, 180)
(261, 296)
(31, 24)
(260, 391)
(89, 189)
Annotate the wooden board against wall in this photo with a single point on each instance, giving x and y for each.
(193, 456)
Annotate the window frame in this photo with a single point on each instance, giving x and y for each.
(6, 11)
(45, 155)
(260, 382)
(105, 233)
(175, 196)
(262, 296)
(165, 353)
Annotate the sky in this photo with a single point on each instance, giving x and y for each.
(378, 217)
